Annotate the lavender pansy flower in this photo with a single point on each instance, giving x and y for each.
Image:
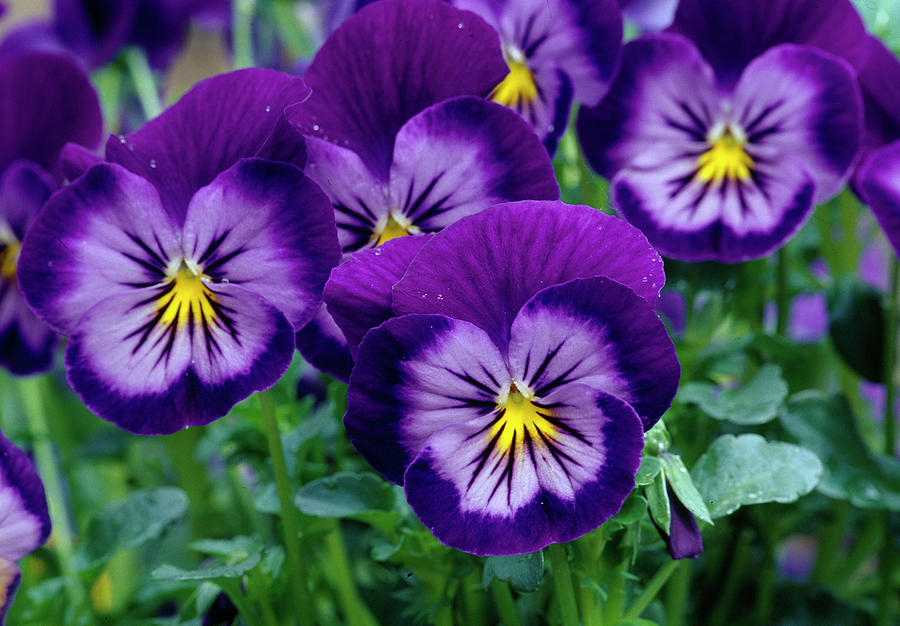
(556, 50)
(714, 168)
(509, 392)
(25, 522)
(34, 88)
(182, 276)
(410, 155)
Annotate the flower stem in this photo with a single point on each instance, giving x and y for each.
(656, 583)
(242, 33)
(290, 526)
(144, 82)
(562, 581)
(783, 297)
(354, 609)
(506, 606)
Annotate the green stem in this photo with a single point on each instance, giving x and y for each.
(656, 583)
(783, 296)
(51, 475)
(242, 32)
(732, 579)
(830, 540)
(677, 593)
(300, 597)
(354, 609)
(506, 606)
(144, 82)
(562, 582)
(615, 592)
(233, 589)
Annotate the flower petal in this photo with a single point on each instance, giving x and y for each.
(25, 524)
(267, 227)
(463, 155)
(548, 487)
(485, 267)
(27, 344)
(879, 81)
(415, 375)
(151, 376)
(436, 52)
(35, 87)
(596, 332)
(219, 121)
(322, 344)
(10, 578)
(103, 234)
(358, 294)
(878, 183)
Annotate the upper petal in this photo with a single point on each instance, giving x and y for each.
(879, 81)
(25, 523)
(483, 268)
(388, 62)
(219, 121)
(878, 183)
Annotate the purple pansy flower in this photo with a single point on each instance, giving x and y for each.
(684, 540)
(182, 276)
(25, 521)
(878, 184)
(556, 50)
(34, 88)
(404, 143)
(509, 391)
(722, 155)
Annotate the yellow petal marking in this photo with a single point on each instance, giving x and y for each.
(189, 296)
(396, 225)
(517, 88)
(726, 158)
(520, 413)
(9, 257)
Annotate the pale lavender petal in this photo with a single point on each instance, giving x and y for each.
(24, 521)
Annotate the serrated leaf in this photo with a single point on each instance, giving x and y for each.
(650, 467)
(737, 471)
(755, 402)
(141, 517)
(827, 426)
(658, 501)
(212, 572)
(523, 571)
(345, 494)
(683, 486)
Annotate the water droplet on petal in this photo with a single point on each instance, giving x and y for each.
(459, 26)
(122, 139)
(153, 163)
(268, 108)
(315, 127)
(225, 281)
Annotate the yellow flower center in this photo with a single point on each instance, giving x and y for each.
(396, 225)
(187, 297)
(726, 158)
(521, 419)
(517, 88)
(9, 257)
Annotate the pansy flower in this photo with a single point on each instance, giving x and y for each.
(878, 184)
(182, 276)
(45, 101)
(401, 138)
(509, 390)
(718, 154)
(25, 521)
(556, 50)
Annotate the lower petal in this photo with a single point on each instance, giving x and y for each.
(322, 343)
(10, 578)
(27, 344)
(25, 522)
(548, 489)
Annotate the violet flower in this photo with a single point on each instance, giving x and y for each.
(555, 50)
(510, 391)
(878, 184)
(25, 523)
(401, 139)
(34, 88)
(182, 276)
(720, 154)
(684, 540)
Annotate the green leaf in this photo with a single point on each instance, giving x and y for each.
(657, 440)
(236, 546)
(658, 500)
(681, 483)
(522, 571)
(826, 425)
(345, 494)
(650, 467)
(132, 522)
(212, 572)
(736, 471)
(856, 326)
(755, 402)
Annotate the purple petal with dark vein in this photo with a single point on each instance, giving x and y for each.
(24, 188)
(358, 293)
(360, 200)
(322, 343)
(684, 540)
(27, 345)
(879, 81)
(799, 104)
(660, 106)
(10, 578)
(485, 267)
(415, 375)
(155, 379)
(45, 102)
(218, 122)
(582, 39)
(106, 233)
(463, 155)
(731, 34)
(395, 58)
(267, 227)
(552, 490)
(95, 30)
(596, 332)
(75, 160)
(649, 16)
(878, 183)
(25, 524)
